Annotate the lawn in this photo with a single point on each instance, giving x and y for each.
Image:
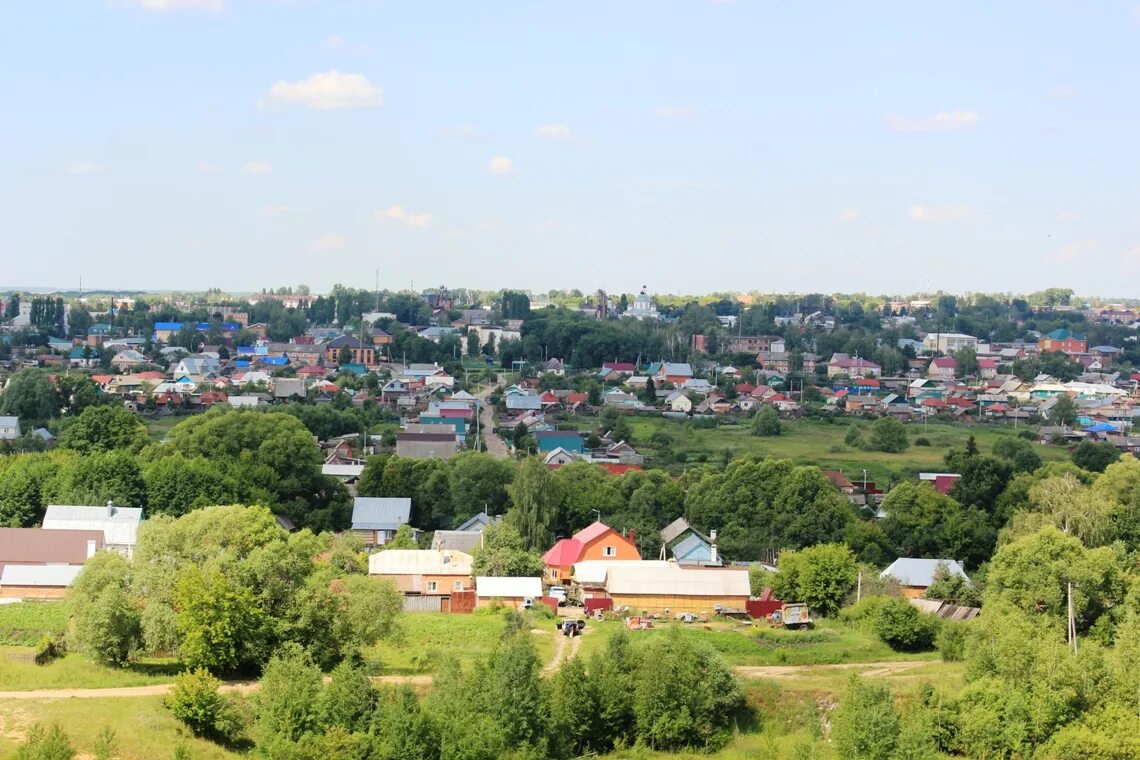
(25, 623)
(428, 637)
(144, 729)
(160, 426)
(813, 442)
(75, 671)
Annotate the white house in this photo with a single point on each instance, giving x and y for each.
(120, 525)
(9, 428)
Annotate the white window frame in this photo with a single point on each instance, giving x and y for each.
(432, 586)
(609, 551)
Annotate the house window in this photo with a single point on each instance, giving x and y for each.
(609, 551)
(458, 586)
(432, 585)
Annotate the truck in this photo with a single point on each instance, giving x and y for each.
(792, 616)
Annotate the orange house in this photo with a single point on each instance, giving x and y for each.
(597, 541)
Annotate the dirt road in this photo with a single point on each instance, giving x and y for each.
(565, 649)
(495, 445)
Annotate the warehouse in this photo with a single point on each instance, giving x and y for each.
(650, 588)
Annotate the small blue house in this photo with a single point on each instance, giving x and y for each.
(693, 549)
(567, 439)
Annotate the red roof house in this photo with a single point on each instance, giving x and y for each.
(596, 541)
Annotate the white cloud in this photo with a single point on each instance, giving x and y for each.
(1067, 216)
(464, 132)
(334, 40)
(273, 209)
(502, 165)
(1064, 93)
(328, 91)
(329, 242)
(921, 213)
(847, 215)
(675, 112)
(256, 167)
(952, 121)
(554, 132)
(208, 168)
(422, 219)
(174, 5)
(83, 167)
(1072, 251)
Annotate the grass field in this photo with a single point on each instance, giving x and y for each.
(25, 623)
(818, 443)
(144, 729)
(75, 671)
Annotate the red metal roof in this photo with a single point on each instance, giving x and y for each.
(563, 554)
(618, 469)
(591, 532)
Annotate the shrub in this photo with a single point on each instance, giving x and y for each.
(889, 435)
(921, 441)
(903, 628)
(853, 436)
(50, 744)
(48, 648)
(196, 701)
(951, 640)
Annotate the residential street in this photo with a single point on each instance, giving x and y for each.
(495, 445)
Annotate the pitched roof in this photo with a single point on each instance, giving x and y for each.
(458, 540)
(675, 580)
(478, 522)
(591, 532)
(565, 551)
(49, 576)
(37, 546)
(911, 571)
(120, 525)
(674, 529)
(419, 562)
(373, 513)
(486, 587)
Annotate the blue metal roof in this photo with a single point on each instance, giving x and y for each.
(167, 325)
(372, 513)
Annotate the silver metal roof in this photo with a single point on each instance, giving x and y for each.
(374, 513)
(40, 575)
(120, 525)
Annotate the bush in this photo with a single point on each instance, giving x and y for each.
(196, 701)
(903, 628)
(951, 640)
(50, 744)
(853, 437)
(921, 441)
(48, 649)
(889, 435)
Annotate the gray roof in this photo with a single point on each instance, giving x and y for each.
(910, 571)
(677, 368)
(9, 421)
(478, 522)
(285, 387)
(56, 576)
(120, 525)
(371, 513)
(530, 403)
(457, 540)
(670, 532)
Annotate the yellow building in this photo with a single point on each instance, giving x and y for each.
(668, 588)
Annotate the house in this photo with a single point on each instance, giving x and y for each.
(128, 358)
(509, 591)
(362, 352)
(288, 387)
(679, 402)
(457, 540)
(164, 331)
(478, 522)
(568, 440)
(35, 546)
(559, 457)
(83, 356)
(942, 482)
(348, 474)
(917, 575)
(943, 368)
(196, 366)
(948, 343)
(423, 571)
(842, 364)
(517, 402)
(427, 445)
(669, 588)
(1063, 340)
(119, 525)
(596, 541)
(619, 368)
(674, 372)
(9, 428)
(987, 368)
(751, 344)
(37, 581)
(687, 545)
(376, 520)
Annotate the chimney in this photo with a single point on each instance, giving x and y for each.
(90, 548)
(632, 536)
(110, 509)
(712, 549)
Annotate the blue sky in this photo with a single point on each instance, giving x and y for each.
(694, 146)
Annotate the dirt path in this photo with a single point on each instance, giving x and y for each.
(565, 649)
(161, 689)
(495, 445)
(872, 669)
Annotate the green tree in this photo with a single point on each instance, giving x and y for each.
(649, 393)
(766, 422)
(288, 704)
(534, 503)
(574, 709)
(176, 484)
(503, 554)
(1095, 457)
(107, 624)
(404, 539)
(45, 744)
(349, 700)
(820, 576)
(479, 484)
(1064, 412)
(853, 437)
(221, 626)
(195, 700)
(106, 745)
(865, 726)
(472, 343)
(889, 435)
(105, 428)
(920, 522)
(902, 627)
(344, 356)
(30, 395)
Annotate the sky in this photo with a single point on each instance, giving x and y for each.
(692, 147)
